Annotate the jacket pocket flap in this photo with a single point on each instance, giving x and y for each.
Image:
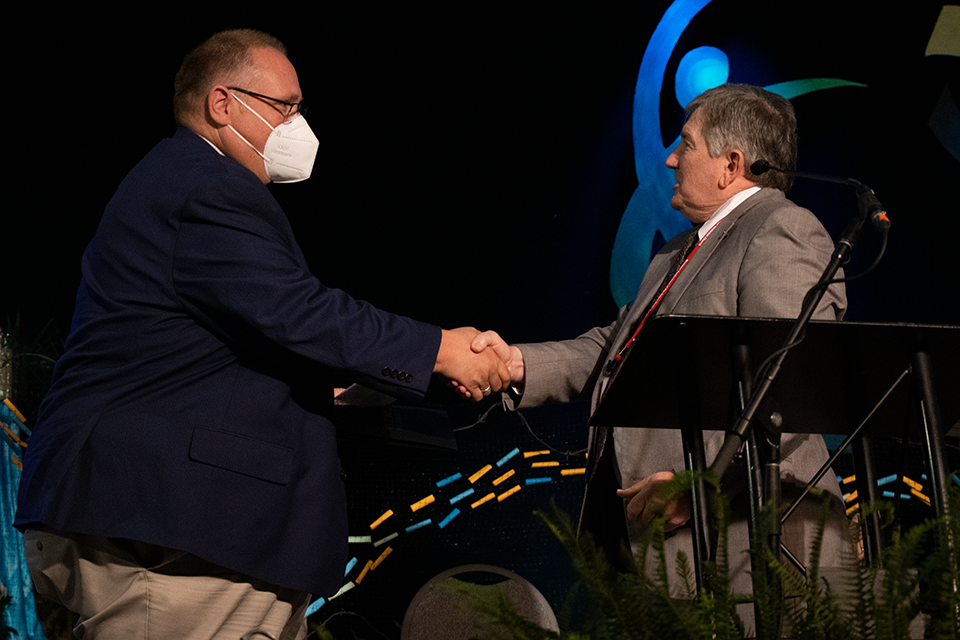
(241, 454)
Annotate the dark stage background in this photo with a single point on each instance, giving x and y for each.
(474, 165)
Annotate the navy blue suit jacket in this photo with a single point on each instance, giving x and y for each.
(188, 409)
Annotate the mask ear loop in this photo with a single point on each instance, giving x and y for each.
(253, 111)
(272, 129)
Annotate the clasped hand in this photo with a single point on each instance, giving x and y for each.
(474, 373)
(490, 344)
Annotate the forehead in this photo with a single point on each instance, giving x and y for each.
(691, 128)
(275, 76)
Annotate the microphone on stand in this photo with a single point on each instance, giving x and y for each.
(868, 203)
(869, 207)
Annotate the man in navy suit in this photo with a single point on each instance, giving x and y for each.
(182, 480)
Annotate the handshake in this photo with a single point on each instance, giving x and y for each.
(477, 364)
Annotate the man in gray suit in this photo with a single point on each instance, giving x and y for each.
(752, 253)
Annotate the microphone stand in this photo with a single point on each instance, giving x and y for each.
(738, 434)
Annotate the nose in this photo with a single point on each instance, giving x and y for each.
(672, 160)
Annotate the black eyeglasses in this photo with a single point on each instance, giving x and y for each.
(292, 107)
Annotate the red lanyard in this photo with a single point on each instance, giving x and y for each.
(656, 303)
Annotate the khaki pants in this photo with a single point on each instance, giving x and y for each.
(127, 590)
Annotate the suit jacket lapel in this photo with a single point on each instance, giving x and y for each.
(703, 255)
(657, 271)
(655, 274)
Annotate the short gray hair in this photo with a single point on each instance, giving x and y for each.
(761, 124)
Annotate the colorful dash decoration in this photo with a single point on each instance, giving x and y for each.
(350, 566)
(314, 607)
(486, 498)
(453, 514)
(343, 590)
(507, 494)
(419, 525)
(416, 506)
(376, 523)
(383, 556)
(363, 572)
(479, 474)
(537, 480)
(383, 541)
(448, 480)
(502, 461)
(460, 496)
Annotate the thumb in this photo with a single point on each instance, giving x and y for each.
(483, 340)
(631, 491)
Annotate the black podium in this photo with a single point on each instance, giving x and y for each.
(694, 373)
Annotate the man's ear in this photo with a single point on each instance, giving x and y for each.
(219, 109)
(734, 169)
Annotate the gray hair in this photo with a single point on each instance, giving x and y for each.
(761, 124)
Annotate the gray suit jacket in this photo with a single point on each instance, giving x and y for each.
(759, 261)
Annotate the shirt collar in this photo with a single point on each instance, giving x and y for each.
(212, 145)
(732, 203)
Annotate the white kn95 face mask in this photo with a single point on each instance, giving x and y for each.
(289, 152)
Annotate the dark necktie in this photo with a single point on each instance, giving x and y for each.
(689, 244)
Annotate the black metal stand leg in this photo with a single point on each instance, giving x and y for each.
(866, 468)
(753, 468)
(771, 483)
(932, 431)
(769, 452)
(694, 456)
(933, 439)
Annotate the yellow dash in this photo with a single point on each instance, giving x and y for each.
(383, 556)
(489, 496)
(849, 479)
(503, 477)
(7, 402)
(851, 497)
(503, 496)
(530, 454)
(925, 499)
(12, 435)
(853, 508)
(376, 523)
(19, 465)
(420, 505)
(573, 472)
(363, 573)
(545, 464)
(480, 473)
(913, 483)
